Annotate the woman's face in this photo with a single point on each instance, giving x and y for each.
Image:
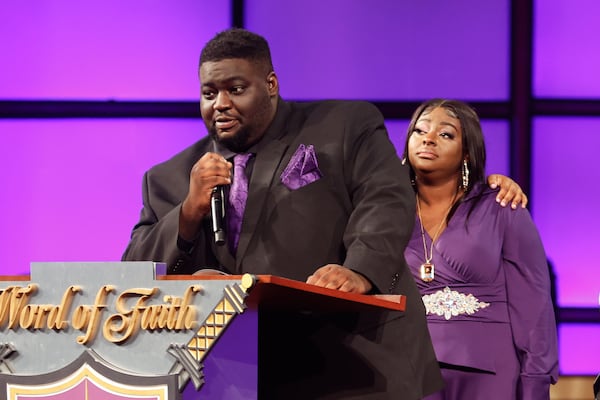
(435, 145)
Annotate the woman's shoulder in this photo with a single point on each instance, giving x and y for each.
(483, 199)
(481, 192)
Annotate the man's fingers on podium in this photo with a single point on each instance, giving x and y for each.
(312, 280)
(348, 286)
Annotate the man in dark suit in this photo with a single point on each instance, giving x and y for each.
(328, 203)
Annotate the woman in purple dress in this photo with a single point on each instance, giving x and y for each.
(481, 268)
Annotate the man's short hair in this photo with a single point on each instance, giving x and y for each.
(238, 43)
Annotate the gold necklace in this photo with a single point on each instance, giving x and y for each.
(427, 269)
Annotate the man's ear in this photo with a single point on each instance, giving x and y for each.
(272, 84)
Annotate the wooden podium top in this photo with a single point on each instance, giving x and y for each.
(274, 292)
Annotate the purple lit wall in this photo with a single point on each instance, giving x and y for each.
(566, 54)
(381, 49)
(564, 173)
(579, 349)
(71, 188)
(108, 49)
(564, 186)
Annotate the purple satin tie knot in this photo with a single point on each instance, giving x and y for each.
(238, 193)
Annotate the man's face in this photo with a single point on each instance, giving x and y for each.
(238, 101)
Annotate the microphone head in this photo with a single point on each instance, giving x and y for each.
(220, 237)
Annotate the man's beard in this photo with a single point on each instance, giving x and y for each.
(237, 143)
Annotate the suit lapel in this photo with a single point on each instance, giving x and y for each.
(264, 170)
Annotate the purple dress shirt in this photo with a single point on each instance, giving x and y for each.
(496, 315)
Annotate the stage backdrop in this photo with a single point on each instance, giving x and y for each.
(71, 188)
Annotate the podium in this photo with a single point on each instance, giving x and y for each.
(253, 336)
(258, 345)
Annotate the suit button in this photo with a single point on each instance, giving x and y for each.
(177, 265)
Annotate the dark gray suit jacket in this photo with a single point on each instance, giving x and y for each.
(360, 214)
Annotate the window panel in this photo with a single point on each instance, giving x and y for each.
(566, 56)
(72, 189)
(579, 348)
(380, 49)
(104, 50)
(564, 189)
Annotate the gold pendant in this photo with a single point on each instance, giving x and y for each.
(427, 272)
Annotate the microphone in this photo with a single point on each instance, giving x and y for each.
(217, 210)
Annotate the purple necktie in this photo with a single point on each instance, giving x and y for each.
(238, 193)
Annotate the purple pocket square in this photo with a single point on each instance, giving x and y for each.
(302, 169)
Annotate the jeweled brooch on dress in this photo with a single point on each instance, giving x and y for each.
(451, 303)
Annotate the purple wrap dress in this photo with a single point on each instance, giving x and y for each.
(489, 308)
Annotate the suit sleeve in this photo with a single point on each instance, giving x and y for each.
(381, 222)
(155, 236)
(530, 307)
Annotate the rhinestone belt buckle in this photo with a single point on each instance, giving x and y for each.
(451, 303)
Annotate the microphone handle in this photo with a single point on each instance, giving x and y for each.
(217, 210)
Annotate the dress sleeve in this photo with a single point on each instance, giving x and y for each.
(530, 305)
